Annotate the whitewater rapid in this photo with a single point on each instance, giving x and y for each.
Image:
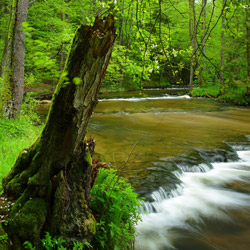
(203, 193)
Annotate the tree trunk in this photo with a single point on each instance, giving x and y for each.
(247, 40)
(3, 35)
(128, 45)
(13, 70)
(50, 181)
(195, 37)
(62, 55)
(121, 28)
(3, 61)
(222, 55)
(191, 34)
(203, 41)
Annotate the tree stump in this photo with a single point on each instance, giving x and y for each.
(50, 181)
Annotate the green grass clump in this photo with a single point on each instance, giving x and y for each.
(15, 135)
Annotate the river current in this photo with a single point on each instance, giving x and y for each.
(189, 158)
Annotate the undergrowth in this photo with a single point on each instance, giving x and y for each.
(15, 135)
(234, 94)
(51, 243)
(116, 208)
(208, 91)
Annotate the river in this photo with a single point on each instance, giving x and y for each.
(189, 158)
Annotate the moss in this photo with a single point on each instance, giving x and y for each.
(27, 223)
(3, 239)
(14, 187)
(89, 225)
(88, 158)
(6, 91)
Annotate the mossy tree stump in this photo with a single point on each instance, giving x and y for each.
(50, 181)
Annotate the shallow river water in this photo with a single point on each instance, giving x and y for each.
(190, 158)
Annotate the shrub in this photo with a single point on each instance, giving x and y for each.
(116, 208)
(51, 243)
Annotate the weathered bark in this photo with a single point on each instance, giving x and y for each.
(13, 69)
(50, 181)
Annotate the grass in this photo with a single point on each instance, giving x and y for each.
(236, 95)
(15, 135)
(208, 91)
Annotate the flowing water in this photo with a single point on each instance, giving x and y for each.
(189, 158)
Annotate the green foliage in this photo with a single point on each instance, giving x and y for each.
(207, 91)
(28, 110)
(116, 208)
(151, 47)
(51, 243)
(4, 238)
(12, 129)
(15, 135)
(238, 96)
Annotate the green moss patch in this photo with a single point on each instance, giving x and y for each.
(27, 223)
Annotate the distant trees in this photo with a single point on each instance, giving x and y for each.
(162, 42)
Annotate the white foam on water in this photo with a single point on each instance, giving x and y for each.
(201, 194)
(198, 168)
(139, 99)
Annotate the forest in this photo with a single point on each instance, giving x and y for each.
(203, 44)
(124, 124)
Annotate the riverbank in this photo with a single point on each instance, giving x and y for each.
(239, 96)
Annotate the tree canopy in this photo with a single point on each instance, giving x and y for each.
(154, 45)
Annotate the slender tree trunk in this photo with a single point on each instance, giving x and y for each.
(130, 27)
(195, 37)
(3, 61)
(248, 39)
(122, 21)
(204, 3)
(50, 181)
(13, 70)
(5, 10)
(247, 47)
(222, 55)
(62, 56)
(128, 44)
(191, 34)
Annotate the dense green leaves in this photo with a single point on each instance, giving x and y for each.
(153, 41)
(116, 208)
